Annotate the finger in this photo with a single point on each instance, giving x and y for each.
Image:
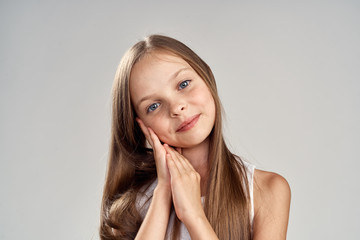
(186, 163)
(145, 130)
(173, 170)
(177, 158)
(154, 138)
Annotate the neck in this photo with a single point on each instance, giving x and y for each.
(198, 156)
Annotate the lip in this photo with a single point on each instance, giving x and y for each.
(188, 123)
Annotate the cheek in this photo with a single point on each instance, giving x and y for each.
(159, 125)
(209, 103)
(203, 96)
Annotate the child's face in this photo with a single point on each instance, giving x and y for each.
(172, 99)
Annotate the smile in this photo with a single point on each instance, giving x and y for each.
(188, 124)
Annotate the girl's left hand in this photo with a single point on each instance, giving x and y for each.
(185, 186)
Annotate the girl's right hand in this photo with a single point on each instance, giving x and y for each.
(159, 155)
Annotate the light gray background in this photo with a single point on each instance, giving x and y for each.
(288, 76)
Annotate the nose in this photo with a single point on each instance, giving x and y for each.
(177, 109)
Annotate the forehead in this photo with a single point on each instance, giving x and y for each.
(156, 65)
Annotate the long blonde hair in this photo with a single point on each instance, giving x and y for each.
(131, 165)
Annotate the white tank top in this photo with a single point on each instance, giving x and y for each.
(142, 203)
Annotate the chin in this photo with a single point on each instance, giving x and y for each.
(191, 143)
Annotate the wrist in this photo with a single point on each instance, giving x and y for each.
(163, 191)
(199, 227)
(194, 219)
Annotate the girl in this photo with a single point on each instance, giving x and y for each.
(170, 174)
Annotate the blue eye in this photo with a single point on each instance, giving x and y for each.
(184, 84)
(153, 107)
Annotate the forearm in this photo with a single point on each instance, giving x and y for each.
(200, 228)
(156, 220)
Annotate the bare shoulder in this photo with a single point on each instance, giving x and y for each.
(271, 183)
(272, 196)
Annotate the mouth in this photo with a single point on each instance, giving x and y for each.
(188, 123)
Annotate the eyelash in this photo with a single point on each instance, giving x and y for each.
(148, 110)
(186, 81)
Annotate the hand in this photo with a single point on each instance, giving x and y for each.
(185, 186)
(159, 154)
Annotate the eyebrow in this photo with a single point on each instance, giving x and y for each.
(177, 73)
